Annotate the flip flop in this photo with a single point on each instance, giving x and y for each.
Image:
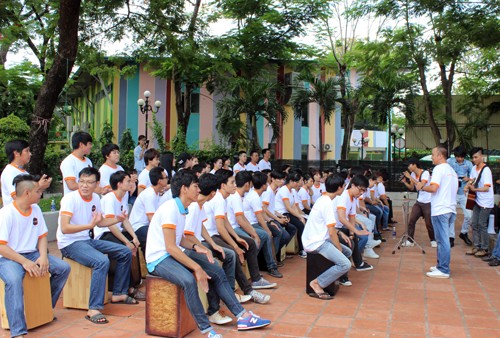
(127, 301)
(321, 295)
(97, 319)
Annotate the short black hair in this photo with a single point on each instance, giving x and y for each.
(108, 148)
(15, 145)
(306, 177)
(359, 181)
(117, 177)
(24, 178)
(254, 151)
(355, 171)
(150, 155)
(89, 171)
(459, 151)
(141, 137)
(241, 152)
(414, 161)
(293, 176)
(184, 178)
(243, 177)
(278, 175)
(156, 174)
(476, 150)
(80, 137)
(264, 151)
(223, 176)
(208, 183)
(266, 171)
(198, 168)
(333, 183)
(284, 167)
(259, 179)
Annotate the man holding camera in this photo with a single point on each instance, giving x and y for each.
(142, 146)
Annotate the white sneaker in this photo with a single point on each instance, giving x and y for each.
(373, 243)
(219, 318)
(433, 268)
(369, 253)
(407, 243)
(259, 298)
(437, 274)
(434, 244)
(242, 298)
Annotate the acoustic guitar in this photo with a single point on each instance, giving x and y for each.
(471, 197)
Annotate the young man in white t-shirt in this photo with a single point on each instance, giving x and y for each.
(483, 187)
(264, 163)
(142, 146)
(23, 249)
(182, 261)
(18, 154)
(321, 237)
(111, 154)
(71, 166)
(152, 160)
(81, 212)
(422, 207)
(318, 187)
(305, 194)
(240, 166)
(443, 189)
(253, 165)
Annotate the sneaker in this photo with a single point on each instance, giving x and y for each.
(481, 253)
(345, 281)
(494, 262)
(472, 252)
(252, 322)
(452, 242)
(369, 253)
(465, 238)
(242, 298)
(259, 298)
(437, 274)
(275, 273)
(374, 243)
(303, 254)
(213, 334)
(220, 318)
(280, 264)
(433, 268)
(407, 243)
(364, 267)
(263, 284)
(434, 244)
(488, 258)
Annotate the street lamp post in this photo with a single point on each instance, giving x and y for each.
(361, 142)
(398, 142)
(146, 108)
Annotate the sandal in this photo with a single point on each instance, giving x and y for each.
(139, 295)
(321, 295)
(128, 301)
(98, 318)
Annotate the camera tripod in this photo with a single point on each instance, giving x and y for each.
(405, 237)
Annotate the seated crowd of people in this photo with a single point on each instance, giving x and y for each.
(202, 224)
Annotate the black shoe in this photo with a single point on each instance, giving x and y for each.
(452, 242)
(280, 264)
(494, 262)
(465, 238)
(488, 258)
(275, 273)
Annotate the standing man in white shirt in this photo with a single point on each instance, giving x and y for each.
(152, 160)
(111, 154)
(264, 163)
(253, 165)
(76, 161)
(142, 146)
(443, 189)
(483, 187)
(242, 159)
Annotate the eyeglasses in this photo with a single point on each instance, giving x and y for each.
(87, 182)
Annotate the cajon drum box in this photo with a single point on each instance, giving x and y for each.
(316, 265)
(167, 314)
(37, 301)
(293, 246)
(76, 292)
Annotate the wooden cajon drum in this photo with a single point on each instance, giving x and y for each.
(316, 265)
(293, 246)
(283, 254)
(167, 314)
(144, 269)
(37, 301)
(76, 292)
(244, 266)
(203, 297)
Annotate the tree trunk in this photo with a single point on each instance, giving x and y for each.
(56, 78)
(447, 83)
(428, 104)
(182, 104)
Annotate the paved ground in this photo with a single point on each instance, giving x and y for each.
(395, 299)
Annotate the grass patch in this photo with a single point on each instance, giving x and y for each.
(44, 203)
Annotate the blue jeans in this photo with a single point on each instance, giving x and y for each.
(363, 239)
(178, 274)
(340, 259)
(91, 253)
(461, 202)
(374, 210)
(284, 237)
(385, 216)
(265, 245)
(480, 219)
(441, 225)
(496, 250)
(12, 274)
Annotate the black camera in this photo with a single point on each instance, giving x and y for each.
(147, 143)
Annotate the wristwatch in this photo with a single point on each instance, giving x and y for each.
(195, 244)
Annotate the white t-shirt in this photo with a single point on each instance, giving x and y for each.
(19, 231)
(111, 207)
(238, 167)
(318, 190)
(145, 204)
(168, 216)
(304, 198)
(321, 218)
(268, 198)
(167, 195)
(215, 208)
(263, 164)
(138, 163)
(194, 220)
(484, 199)
(234, 208)
(282, 195)
(423, 196)
(143, 180)
(345, 204)
(71, 167)
(80, 211)
(444, 200)
(252, 167)
(374, 190)
(106, 172)
(380, 189)
(8, 189)
(252, 205)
